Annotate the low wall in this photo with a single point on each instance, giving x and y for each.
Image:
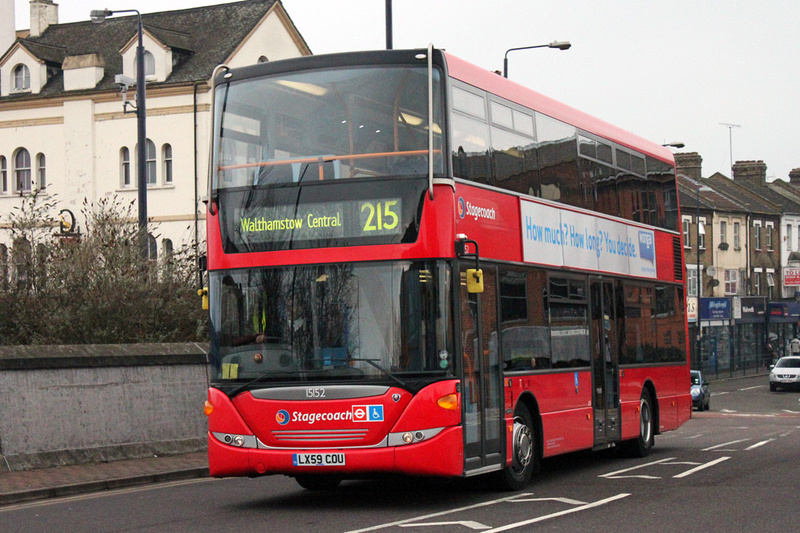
(64, 405)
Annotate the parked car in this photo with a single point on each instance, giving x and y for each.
(785, 373)
(701, 396)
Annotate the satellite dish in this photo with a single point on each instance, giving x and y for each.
(711, 270)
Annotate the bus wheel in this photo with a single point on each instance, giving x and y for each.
(318, 482)
(641, 446)
(517, 475)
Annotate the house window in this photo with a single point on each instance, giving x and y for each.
(149, 64)
(21, 78)
(731, 281)
(125, 166)
(770, 279)
(736, 241)
(41, 174)
(701, 234)
(3, 175)
(150, 165)
(22, 171)
(757, 236)
(723, 231)
(788, 237)
(756, 283)
(166, 153)
(691, 282)
(152, 247)
(769, 229)
(686, 225)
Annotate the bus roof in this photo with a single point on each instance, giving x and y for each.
(505, 88)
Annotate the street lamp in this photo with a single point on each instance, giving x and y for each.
(561, 45)
(700, 231)
(98, 16)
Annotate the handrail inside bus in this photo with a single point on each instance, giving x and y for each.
(209, 193)
(430, 120)
(329, 158)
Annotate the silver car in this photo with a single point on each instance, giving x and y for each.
(785, 373)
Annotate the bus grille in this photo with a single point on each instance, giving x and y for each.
(677, 264)
(321, 435)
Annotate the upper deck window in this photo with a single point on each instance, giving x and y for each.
(326, 124)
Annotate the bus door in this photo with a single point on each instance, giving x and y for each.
(605, 363)
(481, 378)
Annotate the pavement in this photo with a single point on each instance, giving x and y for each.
(60, 481)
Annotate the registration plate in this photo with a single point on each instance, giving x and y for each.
(318, 459)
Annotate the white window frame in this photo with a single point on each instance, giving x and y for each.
(166, 154)
(731, 281)
(21, 78)
(757, 235)
(41, 171)
(686, 224)
(769, 226)
(723, 231)
(23, 181)
(691, 280)
(3, 175)
(737, 240)
(125, 167)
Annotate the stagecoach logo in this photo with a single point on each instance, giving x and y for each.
(282, 417)
(462, 208)
(467, 209)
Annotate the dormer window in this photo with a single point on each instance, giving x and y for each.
(21, 78)
(149, 64)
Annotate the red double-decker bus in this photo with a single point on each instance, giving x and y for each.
(417, 266)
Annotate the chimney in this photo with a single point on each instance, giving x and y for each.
(43, 14)
(689, 164)
(794, 176)
(753, 172)
(7, 30)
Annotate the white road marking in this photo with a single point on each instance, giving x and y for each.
(755, 387)
(560, 513)
(466, 523)
(442, 513)
(717, 446)
(756, 445)
(569, 501)
(701, 467)
(616, 474)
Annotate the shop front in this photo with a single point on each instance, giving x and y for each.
(750, 334)
(716, 343)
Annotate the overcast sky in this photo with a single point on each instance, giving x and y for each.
(669, 71)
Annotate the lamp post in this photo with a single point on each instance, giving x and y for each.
(98, 16)
(561, 45)
(700, 231)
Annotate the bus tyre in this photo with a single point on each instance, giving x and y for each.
(318, 482)
(524, 460)
(641, 446)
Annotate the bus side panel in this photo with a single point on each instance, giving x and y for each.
(672, 387)
(665, 256)
(491, 219)
(565, 405)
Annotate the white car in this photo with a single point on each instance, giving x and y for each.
(785, 373)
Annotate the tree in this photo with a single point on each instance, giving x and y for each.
(94, 288)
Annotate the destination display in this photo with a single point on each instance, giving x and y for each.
(320, 220)
(313, 217)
